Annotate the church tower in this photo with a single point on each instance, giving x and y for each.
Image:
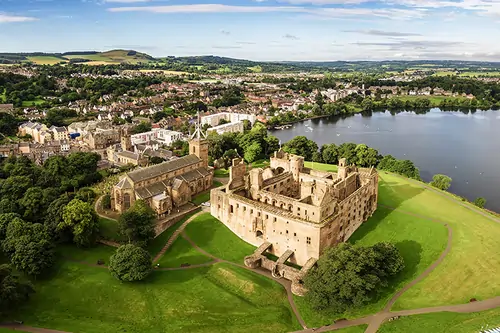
(198, 145)
(126, 142)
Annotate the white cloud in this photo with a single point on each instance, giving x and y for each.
(6, 18)
(125, 1)
(325, 12)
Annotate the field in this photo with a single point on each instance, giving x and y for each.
(37, 101)
(435, 100)
(444, 322)
(46, 60)
(215, 238)
(445, 73)
(220, 298)
(475, 74)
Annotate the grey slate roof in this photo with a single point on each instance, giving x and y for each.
(151, 190)
(124, 183)
(159, 169)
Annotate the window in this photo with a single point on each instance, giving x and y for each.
(244, 208)
(237, 206)
(251, 211)
(305, 212)
(287, 232)
(231, 209)
(294, 234)
(275, 219)
(258, 214)
(308, 240)
(298, 209)
(267, 216)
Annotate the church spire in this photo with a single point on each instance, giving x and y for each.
(198, 132)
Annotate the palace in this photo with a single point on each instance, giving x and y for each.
(168, 185)
(292, 211)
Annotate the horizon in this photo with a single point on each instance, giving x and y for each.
(258, 30)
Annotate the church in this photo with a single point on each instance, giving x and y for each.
(168, 185)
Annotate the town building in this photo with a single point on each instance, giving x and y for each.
(160, 135)
(236, 127)
(292, 211)
(228, 117)
(168, 185)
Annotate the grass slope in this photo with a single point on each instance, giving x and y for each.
(353, 329)
(469, 268)
(419, 241)
(181, 252)
(215, 238)
(444, 322)
(90, 255)
(6, 330)
(159, 242)
(108, 229)
(220, 298)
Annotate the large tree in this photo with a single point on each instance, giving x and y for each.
(5, 220)
(302, 146)
(29, 247)
(441, 182)
(137, 224)
(81, 219)
(130, 263)
(348, 276)
(13, 291)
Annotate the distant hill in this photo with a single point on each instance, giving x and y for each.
(87, 57)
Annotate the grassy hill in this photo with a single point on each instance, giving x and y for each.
(111, 57)
(89, 58)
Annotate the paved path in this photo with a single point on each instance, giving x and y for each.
(96, 209)
(174, 236)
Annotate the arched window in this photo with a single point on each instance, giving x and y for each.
(259, 234)
(126, 201)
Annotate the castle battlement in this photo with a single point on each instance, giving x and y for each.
(299, 211)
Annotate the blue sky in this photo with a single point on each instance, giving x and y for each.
(258, 29)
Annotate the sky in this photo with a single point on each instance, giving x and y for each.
(263, 30)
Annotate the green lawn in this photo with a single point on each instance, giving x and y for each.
(419, 241)
(353, 329)
(90, 255)
(108, 229)
(181, 252)
(37, 101)
(219, 298)
(221, 173)
(321, 166)
(159, 242)
(260, 164)
(444, 322)
(469, 269)
(214, 237)
(201, 198)
(6, 330)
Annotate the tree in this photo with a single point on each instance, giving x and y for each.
(85, 194)
(348, 276)
(29, 247)
(106, 201)
(142, 127)
(80, 218)
(130, 263)
(252, 152)
(329, 153)
(54, 217)
(480, 202)
(32, 203)
(5, 219)
(137, 224)
(441, 182)
(302, 146)
(13, 291)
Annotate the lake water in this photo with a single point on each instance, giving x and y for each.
(465, 147)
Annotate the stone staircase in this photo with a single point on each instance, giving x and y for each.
(174, 236)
